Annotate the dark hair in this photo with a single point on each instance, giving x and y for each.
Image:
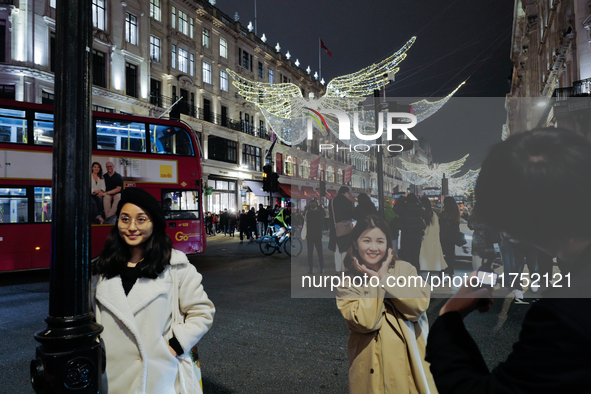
(428, 213)
(157, 249)
(312, 204)
(412, 199)
(365, 201)
(366, 223)
(450, 210)
(343, 190)
(100, 173)
(515, 186)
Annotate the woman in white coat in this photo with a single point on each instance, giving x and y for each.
(134, 299)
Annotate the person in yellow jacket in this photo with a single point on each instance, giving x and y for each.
(387, 319)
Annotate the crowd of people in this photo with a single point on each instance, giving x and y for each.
(251, 224)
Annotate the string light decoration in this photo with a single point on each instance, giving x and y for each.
(365, 81)
(422, 175)
(435, 171)
(284, 107)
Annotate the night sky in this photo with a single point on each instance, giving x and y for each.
(456, 41)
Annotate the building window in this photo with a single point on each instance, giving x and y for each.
(155, 96)
(98, 69)
(206, 110)
(173, 62)
(207, 73)
(224, 116)
(221, 149)
(155, 9)
(131, 28)
(251, 157)
(183, 23)
(305, 170)
(52, 3)
(245, 60)
(261, 127)
(289, 166)
(98, 14)
(191, 28)
(260, 70)
(173, 19)
(183, 60)
(47, 98)
(2, 40)
(223, 48)
(205, 38)
(192, 65)
(154, 48)
(51, 49)
(7, 92)
(270, 76)
(223, 80)
(131, 80)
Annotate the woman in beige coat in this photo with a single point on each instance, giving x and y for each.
(431, 257)
(384, 305)
(140, 283)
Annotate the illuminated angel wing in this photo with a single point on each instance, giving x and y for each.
(423, 109)
(435, 172)
(276, 99)
(365, 81)
(461, 185)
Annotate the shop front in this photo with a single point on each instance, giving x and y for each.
(221, 194)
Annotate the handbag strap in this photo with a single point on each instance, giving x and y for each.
(334, 218)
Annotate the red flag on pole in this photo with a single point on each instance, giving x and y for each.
(314, 168)
(348, 174)
(325, 48)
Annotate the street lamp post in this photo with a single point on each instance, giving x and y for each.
(379, 155)
(70, 358)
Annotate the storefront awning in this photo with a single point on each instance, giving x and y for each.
(257, 188)
(310, 192)
(330, 194)
(292, 191)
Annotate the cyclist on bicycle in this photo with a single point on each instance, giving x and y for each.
(282, 220)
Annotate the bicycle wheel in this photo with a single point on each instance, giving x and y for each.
(267, 245)
(293, 247)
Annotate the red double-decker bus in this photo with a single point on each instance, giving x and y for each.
(160, 156)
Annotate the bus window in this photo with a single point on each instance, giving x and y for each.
(13, 126)
(170, 140)
(42, 204)
(121, 136)
(43, 128)
(181, 204)
(13, 206)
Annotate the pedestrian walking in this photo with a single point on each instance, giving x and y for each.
(388, 324)
(262, 216)
(224, 222)
(365, 207)
(431, 255)
(412, 229)
(313, 221)
(483, 239)
(341, 214)
(139, 283)
(243, 226)
(449, 232)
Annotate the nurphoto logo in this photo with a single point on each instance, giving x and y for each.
(394, 121)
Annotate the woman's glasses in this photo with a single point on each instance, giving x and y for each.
(141, 222)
